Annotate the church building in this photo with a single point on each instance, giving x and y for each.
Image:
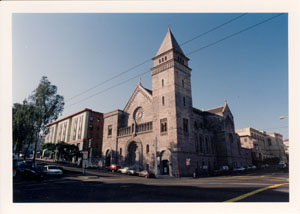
(160, 130)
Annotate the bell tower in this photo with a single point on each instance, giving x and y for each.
(172, 97)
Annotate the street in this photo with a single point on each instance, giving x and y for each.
(100, 186)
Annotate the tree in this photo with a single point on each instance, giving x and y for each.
(66, 151)
(48, 105)
(24, 126)
(49, 146)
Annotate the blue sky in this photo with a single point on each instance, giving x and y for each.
(78, 51)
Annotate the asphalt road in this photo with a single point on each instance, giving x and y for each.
(99, 186)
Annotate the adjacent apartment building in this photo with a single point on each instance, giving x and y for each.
(263, 145)
(161, 127)
(79, 128)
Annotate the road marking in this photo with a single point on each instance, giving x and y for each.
(254, 192)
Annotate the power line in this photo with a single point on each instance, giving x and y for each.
(118, 84)
(103, 82)
(234, 34)
(213, 29)
(148, 60)
(201, 48)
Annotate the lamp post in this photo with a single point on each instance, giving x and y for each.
(90, 151)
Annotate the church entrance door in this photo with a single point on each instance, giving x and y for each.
(108, 158)
(165, 167)
(133, 155)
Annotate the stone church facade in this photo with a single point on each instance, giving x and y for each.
(162, 124)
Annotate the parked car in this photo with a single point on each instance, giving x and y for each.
(123, 170)
(30, 171)
(282, 165)
(52, 170)
(131, 171)
(113, 167)
(223, 170)
(146, 174)
(239, 169)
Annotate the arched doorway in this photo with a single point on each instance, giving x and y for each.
(165, 167)
(132, 154)
(108, 158)
(165, 162)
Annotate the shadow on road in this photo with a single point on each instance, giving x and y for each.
(95, 191)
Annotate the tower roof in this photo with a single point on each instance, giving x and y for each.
(169, 43)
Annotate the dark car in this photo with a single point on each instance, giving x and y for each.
(223, 170)
(30, 170)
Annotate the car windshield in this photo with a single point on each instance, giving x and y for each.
(52, 167)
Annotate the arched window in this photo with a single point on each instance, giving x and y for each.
(201, 144)
(230, 138)
(269, 142)
(196, 144)
(163, 125)
(207, 144)
(163, 100)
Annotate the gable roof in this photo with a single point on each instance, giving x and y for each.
(216, 110)
(169, 43)
(138, 88)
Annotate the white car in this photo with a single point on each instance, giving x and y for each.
(123, 170)
(52, 170)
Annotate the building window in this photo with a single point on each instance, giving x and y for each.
(162, 59)
(185, 126)
(183, 101)
(163, 100)
(196, 144)
(163, 125)
(245, 139)
(91, 119)
(166, 58)
(207, 144)
(91, 127)
(159, 61)
(98, 120)
(230, 138)
(269, 142)
(162, 83)
(201, 144)
(147, 148)
(109, 133)
(98, 128)
(120, 151)
(182, 83)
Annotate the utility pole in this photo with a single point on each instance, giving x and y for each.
(155, 155)
(90, 151)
